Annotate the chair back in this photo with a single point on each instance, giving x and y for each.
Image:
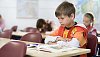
(14, 28)
(31, 29)
(92, 43)
(13, 49)
(32, 37)
(6, 34)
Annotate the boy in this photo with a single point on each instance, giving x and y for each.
(69, 29)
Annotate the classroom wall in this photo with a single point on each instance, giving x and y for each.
(46, 10)
(8, 9)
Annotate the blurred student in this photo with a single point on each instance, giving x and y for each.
(43, 25)
(69, 31)
(88, 21)
(2, 25)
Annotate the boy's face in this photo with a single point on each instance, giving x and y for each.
(86, 21)
(65, 20)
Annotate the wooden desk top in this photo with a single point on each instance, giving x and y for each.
(98, 40)
(19, 33)
(36, 53)
(75, 52)
(98, 32)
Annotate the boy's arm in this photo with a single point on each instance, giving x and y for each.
(81, 38)
(54, 33)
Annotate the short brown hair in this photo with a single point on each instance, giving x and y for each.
(65, 8)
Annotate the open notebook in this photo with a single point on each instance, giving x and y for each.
(54, 48)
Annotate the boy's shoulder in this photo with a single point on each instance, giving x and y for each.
(80, 28)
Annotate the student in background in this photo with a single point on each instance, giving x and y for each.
(88, 21)
(2, 25)
(68, 31)
(43, 25)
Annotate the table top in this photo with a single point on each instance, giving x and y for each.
(19, 33)
(98, 32)
(98, 40)
(33, 52)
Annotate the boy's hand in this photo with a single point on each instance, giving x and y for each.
(60, 39)
(51, 43)
(63, 39)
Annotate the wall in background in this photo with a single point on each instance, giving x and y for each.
(8, 9)
(46, 10)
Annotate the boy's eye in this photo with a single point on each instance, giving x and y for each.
(61, 18)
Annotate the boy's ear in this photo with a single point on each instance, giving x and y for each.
(72, 16)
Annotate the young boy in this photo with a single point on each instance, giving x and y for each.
(68, 30)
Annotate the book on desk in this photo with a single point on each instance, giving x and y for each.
(54, 48)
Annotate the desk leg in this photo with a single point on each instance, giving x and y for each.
(98, 49)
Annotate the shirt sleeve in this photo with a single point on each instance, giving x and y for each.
(73, 43)
(81, 38)
(54, 33)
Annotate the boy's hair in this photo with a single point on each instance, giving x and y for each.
(90, 16)
(65, 9)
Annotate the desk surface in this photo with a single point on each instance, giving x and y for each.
(98, 32)
(33, 52)
(19, 33)
(98, 40)
(75, 52)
